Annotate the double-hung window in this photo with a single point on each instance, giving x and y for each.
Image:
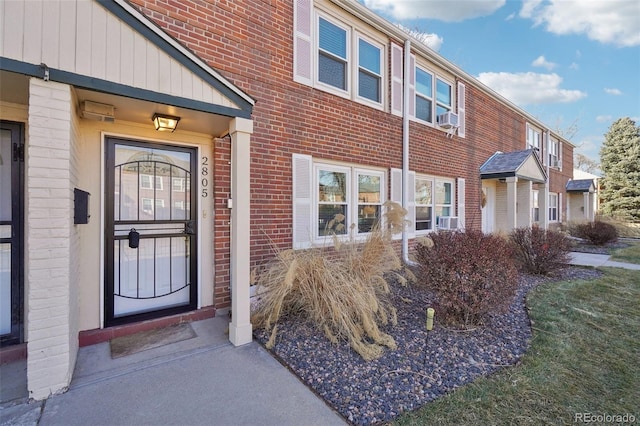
(347, 198)
(444, 197)
(535, 206)
(424, 204)
(146, 182)
(369, 71)
(554, 158)
(424, 95)
(433, 200)
(443, 97)
(553, 207)
(534, 137)
(333, 54)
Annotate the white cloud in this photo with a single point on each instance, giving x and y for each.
(604, 118)
(540, 61)
(444, 10)
(574, 66)
(530, 88)
(615, 92)
(434, 41)
(614, 22)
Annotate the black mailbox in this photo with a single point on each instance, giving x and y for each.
(80, 206)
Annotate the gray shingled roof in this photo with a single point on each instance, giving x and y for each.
(505, 162)
(579, 185)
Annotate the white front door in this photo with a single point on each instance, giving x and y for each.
(488, 209)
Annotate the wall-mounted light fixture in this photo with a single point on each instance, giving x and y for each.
(165, 123)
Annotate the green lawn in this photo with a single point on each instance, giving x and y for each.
(629, 254)
(584, 358)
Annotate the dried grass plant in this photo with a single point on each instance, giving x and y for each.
(342, 290)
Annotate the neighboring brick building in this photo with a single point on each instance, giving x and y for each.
(290, 112)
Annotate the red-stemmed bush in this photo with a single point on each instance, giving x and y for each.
(471, 274)
(598, 233)
(539, 251)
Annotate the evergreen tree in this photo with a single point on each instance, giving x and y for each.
(620, 163)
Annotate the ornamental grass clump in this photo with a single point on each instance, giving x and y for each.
(471, 274)
(342, 291)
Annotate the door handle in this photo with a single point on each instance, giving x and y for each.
(134, 238)
(189, 228)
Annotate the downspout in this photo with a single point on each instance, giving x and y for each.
(405, 150)
(546, 187)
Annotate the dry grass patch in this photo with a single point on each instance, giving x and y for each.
(341, 290)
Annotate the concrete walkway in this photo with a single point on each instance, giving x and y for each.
(200, 381)
(599, 260)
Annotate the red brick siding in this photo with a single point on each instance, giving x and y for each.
(250, 43)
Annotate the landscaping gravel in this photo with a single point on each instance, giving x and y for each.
(424, 367)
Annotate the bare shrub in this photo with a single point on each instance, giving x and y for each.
(341, 290)
(539, 251)
(598, 233)
(471, 274)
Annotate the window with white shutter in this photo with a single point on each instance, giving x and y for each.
(462, 115)
(302, 199)
(397, 94)
(461, 201)
(302, 41)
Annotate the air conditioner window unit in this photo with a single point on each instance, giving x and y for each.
(448, 222)
(448, 120)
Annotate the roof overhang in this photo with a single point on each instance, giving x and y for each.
(521, 164)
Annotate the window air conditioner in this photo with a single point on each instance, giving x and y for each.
(447, 222)
(555, 163)
(448, 120)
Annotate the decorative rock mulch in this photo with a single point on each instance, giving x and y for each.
(424, 367)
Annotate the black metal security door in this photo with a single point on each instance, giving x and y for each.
(11, 233)
(150, 226)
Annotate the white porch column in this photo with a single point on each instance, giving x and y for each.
(543, 205)
(51, 301)
(512, 200)
(587, 205)
(240, 329)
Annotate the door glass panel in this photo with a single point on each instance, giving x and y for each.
(5, 288)
(151, 191)
(5, 176)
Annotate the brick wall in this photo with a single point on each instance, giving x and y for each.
(49, 215)
(250, 43)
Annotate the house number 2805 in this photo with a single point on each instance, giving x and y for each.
(204, 172)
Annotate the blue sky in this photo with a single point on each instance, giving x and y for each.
(566, 62)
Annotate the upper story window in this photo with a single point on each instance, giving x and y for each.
(554, 153)
(369, 71)
(332, 54)
(533, 138)
(443, 97)
(424, 95)
(433, 95)
(146, 182)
